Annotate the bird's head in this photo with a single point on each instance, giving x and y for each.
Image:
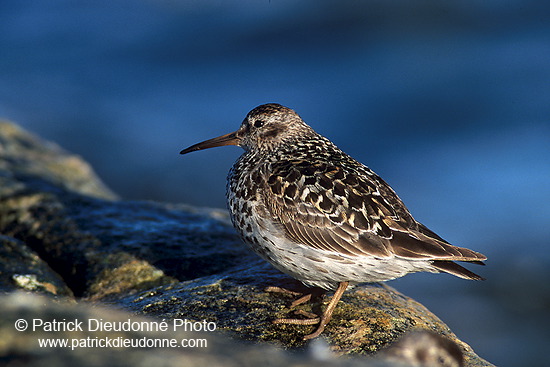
(265, 128)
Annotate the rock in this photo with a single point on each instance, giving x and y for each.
(22, 268)
(65, 233)
(367, 319)
(18, 348)
(80, 334)
(24, 156)
(100, 246)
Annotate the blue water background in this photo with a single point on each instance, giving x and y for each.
(448, 101)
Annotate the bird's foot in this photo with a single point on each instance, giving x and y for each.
(282, 291)
(313, 319)
(305, 297)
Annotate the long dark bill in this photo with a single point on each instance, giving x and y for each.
(227, 139)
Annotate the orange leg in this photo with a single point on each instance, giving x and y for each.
(324, 319)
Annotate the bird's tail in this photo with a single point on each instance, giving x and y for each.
(446, 266)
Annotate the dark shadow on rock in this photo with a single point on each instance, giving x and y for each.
(22, 268)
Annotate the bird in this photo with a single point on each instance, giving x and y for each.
(320, 216)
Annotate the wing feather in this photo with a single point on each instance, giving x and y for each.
(350, 212)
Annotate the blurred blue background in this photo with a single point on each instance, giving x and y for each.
(447, 101)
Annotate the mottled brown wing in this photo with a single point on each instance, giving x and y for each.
(335, 209)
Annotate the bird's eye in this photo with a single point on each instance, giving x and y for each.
(259, 123)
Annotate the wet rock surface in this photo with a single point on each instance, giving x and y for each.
(66, 236)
